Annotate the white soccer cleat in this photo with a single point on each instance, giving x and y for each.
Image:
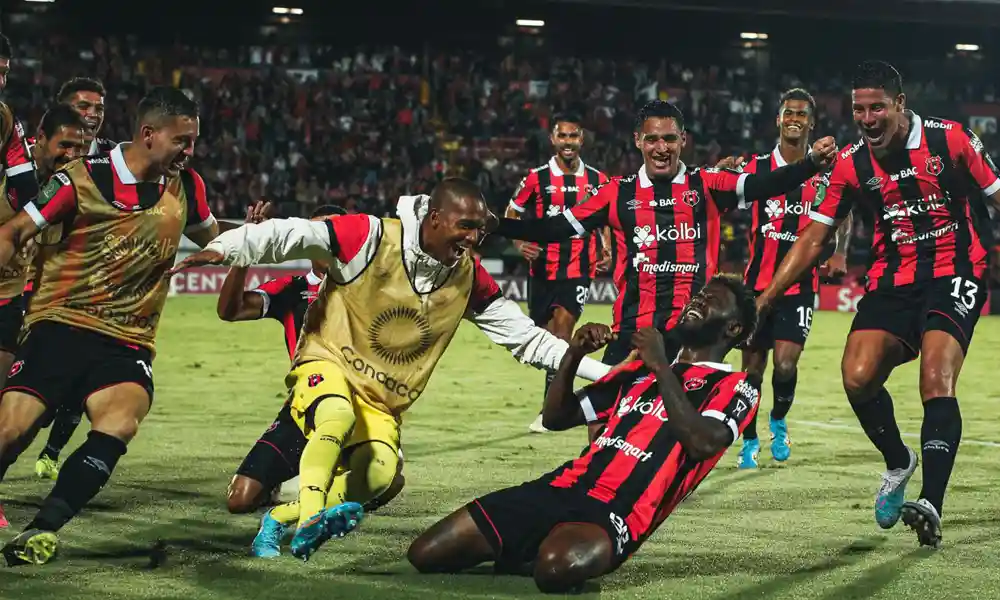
(536, 425)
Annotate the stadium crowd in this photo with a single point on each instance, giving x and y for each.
(311, 125)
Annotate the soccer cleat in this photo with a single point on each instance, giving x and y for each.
(47, 468)
(749, 454)
(32, 547)
(780, 442)
(536, 425)
(889, 500)
(309, 537)
(923, 518)
(342, 519)
(267, 543)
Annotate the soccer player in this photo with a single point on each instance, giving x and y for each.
(85, 96)
(274, 459)
(921, 178)
(775, 225)
(669, 218)
(560, 273)
(395, 294)
(116, 222)
(670, 423)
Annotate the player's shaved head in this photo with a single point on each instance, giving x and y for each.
(453, 190)
(164, 103)
(456, 220)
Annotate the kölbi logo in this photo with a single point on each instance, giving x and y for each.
(643, 407)
(645, 235)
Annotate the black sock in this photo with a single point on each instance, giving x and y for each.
(80, 479)
(750, 432)
(940, 435)
(62, 430)
(879, 422)
(784, 394)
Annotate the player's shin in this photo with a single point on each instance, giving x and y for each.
(81, 478)
(784, 393)
(334, 419)
(878, 419)
(940, 436)
(63, 426)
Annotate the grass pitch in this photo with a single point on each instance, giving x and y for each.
(801, 530)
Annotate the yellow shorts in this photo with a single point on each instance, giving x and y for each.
(313, 381)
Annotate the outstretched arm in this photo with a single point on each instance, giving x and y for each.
(803, 255)
(580, 219)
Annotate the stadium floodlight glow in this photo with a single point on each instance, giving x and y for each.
(967, 47)
(530, 23)
(751, 35)
(281, 10)
(47, 1)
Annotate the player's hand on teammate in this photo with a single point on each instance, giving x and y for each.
(259, 211)
(649, 342)
(734, 163)
(604, 264)
(824, 151)
(528, 250)
(591, 338)
(198, 259)
(836, 265)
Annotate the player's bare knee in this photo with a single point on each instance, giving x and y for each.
(859, 381)
(427, 553)
(560, 572)
(785, 369)
(243, 495)
(936, 381)
(123, 427)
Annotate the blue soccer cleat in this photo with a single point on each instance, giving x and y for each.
(267, 544)
(781, 444)
(342, 519)
(309, 537)
(748, 454)
(890, 497)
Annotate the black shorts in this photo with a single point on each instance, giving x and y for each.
(63, 365)
(516, 521)
(789, 320)
(545, 296)
(949, 304)
(274, 459)
(11, 318)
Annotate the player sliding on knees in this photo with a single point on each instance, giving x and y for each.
(272, 464)
(668, 424)
(393, 298)
(926, 285)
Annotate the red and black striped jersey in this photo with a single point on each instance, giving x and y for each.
(668, 236)
(925, 201)
(776, 224)
(637, 465)
(546, 192)
(286, 300)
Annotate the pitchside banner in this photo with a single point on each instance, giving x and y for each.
(208, 280)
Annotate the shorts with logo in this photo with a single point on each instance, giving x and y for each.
(516, 520)
(544, 296)
(62, 365)
(312, 381)
(11, 318)
(789, 320)
(274, 459)
(948, 304)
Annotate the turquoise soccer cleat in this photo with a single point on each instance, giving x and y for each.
(781, 444)
(749, 454)
(342, 519)
(890, 496)
(267, 544)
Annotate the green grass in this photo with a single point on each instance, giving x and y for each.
(803, 530)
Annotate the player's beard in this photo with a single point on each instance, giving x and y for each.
(700, 334)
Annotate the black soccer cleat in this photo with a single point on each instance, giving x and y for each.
(923, 518)
(32, 547)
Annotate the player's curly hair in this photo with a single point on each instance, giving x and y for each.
(659, 108)
(877, 75)
(327, 210)
(80, 84)
(798, 94)
(746, 305)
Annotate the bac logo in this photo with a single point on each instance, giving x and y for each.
(16, 368)
(315, 379)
